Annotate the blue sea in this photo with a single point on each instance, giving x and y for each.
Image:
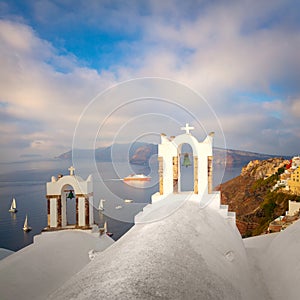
(26, 181)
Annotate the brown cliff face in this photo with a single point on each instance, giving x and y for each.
(236, 157)
(260, 169)
(142, 154)
(250, 197)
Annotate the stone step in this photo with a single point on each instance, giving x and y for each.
(223, 211)
(224, 206)
(231, 219)
(231, 214)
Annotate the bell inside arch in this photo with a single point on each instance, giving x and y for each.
(70, 195)
(186, 160)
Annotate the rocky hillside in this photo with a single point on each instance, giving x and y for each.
(258, 169)
(143, 153)
(250, 197)
(232, 157)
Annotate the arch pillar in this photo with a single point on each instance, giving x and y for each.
(77, 213)
(59, 211)
(161, 174)
(87, 210)
(210, 173)
(48, 212)
(195, 174)
(175, 174)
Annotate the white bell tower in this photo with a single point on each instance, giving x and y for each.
(171, 196)
(59, 190)
(169, 152)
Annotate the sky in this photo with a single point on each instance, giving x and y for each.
(242, 57)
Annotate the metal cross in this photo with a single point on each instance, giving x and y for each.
(187, 128)
(71, 169)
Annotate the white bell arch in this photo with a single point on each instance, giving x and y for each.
(169, 160)
(56, 201)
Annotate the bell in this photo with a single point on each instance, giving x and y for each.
(71, 195)
(186, 160)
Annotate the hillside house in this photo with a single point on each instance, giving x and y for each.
(282, 222)
(294, 182)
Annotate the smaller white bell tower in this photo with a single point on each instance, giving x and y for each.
(59, 190)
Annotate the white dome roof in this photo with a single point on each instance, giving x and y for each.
(192, 254)
(281, 264)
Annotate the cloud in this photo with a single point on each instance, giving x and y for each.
(33, 91)
(223, 51)
(254, 52)
(214, 50)
(294, 107)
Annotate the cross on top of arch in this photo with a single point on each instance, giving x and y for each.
(71, 169)
(187, 128)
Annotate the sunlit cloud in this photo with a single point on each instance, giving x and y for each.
(55, 60)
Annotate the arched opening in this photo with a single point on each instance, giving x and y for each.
(185, 168)
(68, 203)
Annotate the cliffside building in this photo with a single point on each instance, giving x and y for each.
(294, 208)
(294, 182)
(282, 222)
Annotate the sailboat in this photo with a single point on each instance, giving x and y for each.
(13, 207)
(105, 230)
(101, 205)
(26, 228)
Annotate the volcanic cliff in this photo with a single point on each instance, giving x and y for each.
(250, 197)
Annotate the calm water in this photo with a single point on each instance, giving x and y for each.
(27, 183)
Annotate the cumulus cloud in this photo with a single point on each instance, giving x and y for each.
(33, 91)
(222, 50)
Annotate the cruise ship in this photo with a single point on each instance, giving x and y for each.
(137, 177)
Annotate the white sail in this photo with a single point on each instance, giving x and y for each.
(26, 222)
(101, 204)
(13, 206)
(26, 227)
(105, 230)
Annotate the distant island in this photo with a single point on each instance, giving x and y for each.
(140, 153)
